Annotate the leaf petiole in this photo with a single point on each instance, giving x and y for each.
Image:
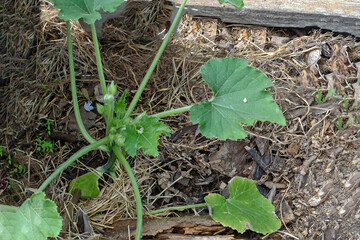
(98, 59)
(73, 92)
(172, 112)
(178, 208)
(155, 61)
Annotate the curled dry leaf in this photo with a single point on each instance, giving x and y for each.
(353, 180)
(322, 194)
(350, 204)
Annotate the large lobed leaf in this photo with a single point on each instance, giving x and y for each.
(37, 218)
(239, 97)
(245, 209)
(87, 9)
(145, 134)
(236, 3)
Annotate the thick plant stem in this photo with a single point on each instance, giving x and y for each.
(109, 115)
(72, 159)
(74, 94)
(98, 59)
(172, 112)
(135, 187)
(155, 61)
(111, 162)
(179, 208)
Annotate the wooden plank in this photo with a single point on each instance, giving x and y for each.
(335, 15)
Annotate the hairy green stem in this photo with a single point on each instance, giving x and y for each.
(98, 59)
(172, 112)
(72, 159)
(155, 61)
(74, 94)
(110, 163)
(109, 115)
(178, 208)
(135, 187)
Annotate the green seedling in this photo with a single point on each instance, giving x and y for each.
(339, 123)
(346, 104)
(19, 71)
(46, 88)
(1, 151)
(15, 167)
(48, 127)
(43, 145)
(318, 96)
(354, 105)
(83, 94)
(9, 159)
(240, 97)
(20, 169)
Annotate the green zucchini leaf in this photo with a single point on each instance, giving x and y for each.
(87, 9)
(239, 97)
(245, 209)
(144, 133)
(87, 183)
(36, 218)
(236, 3)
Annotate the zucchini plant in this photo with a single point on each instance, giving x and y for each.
(239, 97)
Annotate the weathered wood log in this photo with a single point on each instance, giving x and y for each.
(335, 15)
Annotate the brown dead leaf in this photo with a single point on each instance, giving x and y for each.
(210, 29)
(279, 40)
(152, 227)
(88, 119)
(308, 79)
(287, 213)
(312, 59)
(330, 78)
(357, 65)
(293, 148)
(195, 27)
(260, 37)
(172, 236)
(262, 144)
(86, 93)
(245, 34)
(270, 185)
(356, 87)
(230, 159)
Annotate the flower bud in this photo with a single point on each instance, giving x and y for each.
(111, 88)
(119, 140)
(100, 108)
(108, 98)
(112, 130)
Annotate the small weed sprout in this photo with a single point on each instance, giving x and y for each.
(318, 96)
(48, 126)
(43, 145)
(83, 94)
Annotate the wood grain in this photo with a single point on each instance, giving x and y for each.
(335, 15)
